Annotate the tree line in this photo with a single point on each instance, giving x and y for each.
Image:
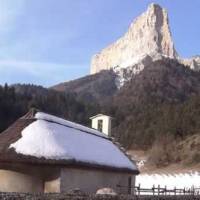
(15, 101)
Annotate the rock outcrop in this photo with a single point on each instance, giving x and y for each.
(193, 63)
(148, 35)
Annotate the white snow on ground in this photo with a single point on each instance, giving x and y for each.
(180, 181)
(54, 141)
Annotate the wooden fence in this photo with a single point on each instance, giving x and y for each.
(138, 190)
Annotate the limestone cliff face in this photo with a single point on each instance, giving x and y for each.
(149, 34)
(193, 63)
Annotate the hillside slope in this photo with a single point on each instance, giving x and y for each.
(93, 88)
(185, 157)
(161, 100)
(166, 80)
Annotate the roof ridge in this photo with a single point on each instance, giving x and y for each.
(30, 114)
(69, 124)
(62, 124)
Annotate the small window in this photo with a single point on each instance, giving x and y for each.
(100, 125)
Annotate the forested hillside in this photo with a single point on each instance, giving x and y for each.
(157, 109)
(92, 88)
(15, 101)
(162, 100)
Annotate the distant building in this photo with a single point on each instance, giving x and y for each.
(44, 153)
(102, 123)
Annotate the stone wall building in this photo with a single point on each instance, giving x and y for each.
(44, 153)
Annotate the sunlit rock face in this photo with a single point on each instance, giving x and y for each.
(193, 63)
(148, 35)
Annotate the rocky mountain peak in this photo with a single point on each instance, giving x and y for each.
(149, 34)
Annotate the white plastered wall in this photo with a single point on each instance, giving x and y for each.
(106, 123)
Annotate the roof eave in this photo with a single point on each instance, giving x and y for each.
(65, 163)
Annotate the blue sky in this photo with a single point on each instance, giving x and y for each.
(45, 42)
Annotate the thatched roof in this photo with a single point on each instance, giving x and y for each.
(13, 135)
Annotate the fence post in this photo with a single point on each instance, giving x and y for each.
(193, 192)
(153, 190)
(139, 190)
(164, 191)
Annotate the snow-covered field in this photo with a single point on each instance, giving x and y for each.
(187, 180)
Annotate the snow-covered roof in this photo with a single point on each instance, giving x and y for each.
(58, 120)
(52, 138)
